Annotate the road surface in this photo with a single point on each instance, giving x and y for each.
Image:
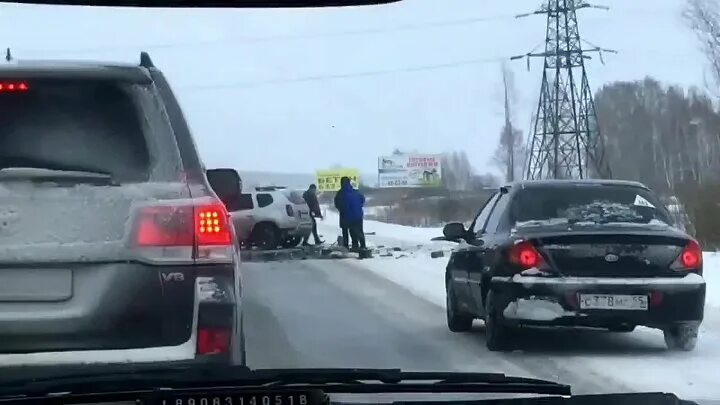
(331, 313)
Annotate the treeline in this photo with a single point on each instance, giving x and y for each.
(458, 174)
(663, 136)
(669, 139)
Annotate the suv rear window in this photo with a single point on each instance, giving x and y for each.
(92, 125)
(591, 203)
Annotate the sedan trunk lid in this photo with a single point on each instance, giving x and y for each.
(622, 250)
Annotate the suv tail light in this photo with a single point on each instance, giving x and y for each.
(6, 87)
(213, 341)
(289, 210)
(524, 255)
(690, 258)
(195, 230)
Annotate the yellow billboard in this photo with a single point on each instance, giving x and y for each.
(329, 180)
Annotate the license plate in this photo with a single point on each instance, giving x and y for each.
(617, 302)
(35, 285)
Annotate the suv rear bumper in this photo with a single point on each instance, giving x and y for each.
(302, 229)
(216, 306)
(544, 301)
(183, 352)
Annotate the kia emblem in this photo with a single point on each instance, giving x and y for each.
(611, 258)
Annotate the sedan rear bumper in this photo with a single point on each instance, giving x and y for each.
(555, 301)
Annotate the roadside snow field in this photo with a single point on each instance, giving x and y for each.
(637, 360)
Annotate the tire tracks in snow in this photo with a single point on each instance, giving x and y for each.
(467, 352)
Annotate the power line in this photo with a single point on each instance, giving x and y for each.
(345, 75)
(271, 38)
(399, 28)
(370, 73)
(380, 72)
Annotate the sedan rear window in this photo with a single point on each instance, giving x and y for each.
(91, 125)
(587, 203)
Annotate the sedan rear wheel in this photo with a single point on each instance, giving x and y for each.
(497, 334)
(456, 321)
(681, 337)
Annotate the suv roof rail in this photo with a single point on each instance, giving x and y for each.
(145, 60)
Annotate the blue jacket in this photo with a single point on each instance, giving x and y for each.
(349, 203)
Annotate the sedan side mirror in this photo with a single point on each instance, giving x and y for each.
(454, 231)
(226, 184)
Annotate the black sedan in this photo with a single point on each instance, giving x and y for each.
(585, 253)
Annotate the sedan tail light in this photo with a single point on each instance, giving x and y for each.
(525, 255)
(690, 258)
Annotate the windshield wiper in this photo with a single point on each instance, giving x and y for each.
(328, 380)
(395, 380)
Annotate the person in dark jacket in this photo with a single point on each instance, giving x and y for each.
(310, 197)
(349, 203)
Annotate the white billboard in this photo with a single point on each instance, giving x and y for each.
(410, 170)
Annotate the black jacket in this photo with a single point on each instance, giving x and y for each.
(312, 203)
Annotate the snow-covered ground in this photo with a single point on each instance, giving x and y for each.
(644, 366)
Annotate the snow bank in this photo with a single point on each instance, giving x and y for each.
(711, 273)
(636, 360)
(411, 267)
(391, 231)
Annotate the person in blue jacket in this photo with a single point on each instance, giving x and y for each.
(349, 203)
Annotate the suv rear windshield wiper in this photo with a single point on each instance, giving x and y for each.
(67, 175)
(327, 380)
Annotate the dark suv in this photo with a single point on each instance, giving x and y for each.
(113, 245)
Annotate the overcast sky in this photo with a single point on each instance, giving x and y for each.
(298, 90)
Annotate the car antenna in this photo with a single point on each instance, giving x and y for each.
(8, 55)
(145, 60)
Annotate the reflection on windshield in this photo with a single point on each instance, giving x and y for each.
(347, 139)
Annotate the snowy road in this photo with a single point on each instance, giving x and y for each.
(389, 312)
(334, 314)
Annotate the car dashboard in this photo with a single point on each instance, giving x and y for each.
(290, 396)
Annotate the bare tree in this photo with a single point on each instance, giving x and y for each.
(669, 139)
(457, 171)
(703, 16)
(509, 155)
